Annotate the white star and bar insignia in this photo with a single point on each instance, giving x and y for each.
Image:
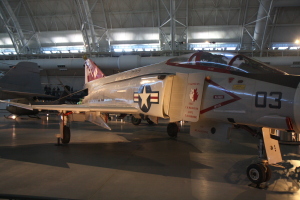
(145, 97)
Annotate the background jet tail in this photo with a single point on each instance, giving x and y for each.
(92, 71)
(24, 77)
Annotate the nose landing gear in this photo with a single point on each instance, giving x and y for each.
(269, 153)
(259, 173)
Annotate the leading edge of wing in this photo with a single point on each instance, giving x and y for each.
(77, 107)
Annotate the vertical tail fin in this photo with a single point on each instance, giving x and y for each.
(24, 77)
(92, 71)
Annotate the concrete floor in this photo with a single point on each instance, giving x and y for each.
(133, 162)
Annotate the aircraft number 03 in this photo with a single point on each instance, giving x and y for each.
(275, 96)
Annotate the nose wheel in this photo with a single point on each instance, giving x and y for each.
(255, 173)
(261, 172)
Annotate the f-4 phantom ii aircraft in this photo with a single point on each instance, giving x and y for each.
(213, 91)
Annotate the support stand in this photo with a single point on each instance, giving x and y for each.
(58, 140)
(261, 186)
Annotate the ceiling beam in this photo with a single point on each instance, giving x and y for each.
(13, 28)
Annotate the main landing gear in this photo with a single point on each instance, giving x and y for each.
(137, 121)
(65, 133)
(173, 129)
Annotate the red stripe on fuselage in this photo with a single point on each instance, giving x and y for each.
(235, 98)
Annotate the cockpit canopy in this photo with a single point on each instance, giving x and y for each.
(223, 62)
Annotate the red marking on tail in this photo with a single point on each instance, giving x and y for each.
(92, 71)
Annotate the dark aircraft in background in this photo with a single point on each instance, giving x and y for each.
(38, 100)
(21, 81)
(215, 91)
(22, 84)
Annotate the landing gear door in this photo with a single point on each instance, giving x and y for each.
(186, 97)
(193, 97)
(272, 146)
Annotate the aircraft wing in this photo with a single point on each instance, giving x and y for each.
(78, 107)
(24, 94)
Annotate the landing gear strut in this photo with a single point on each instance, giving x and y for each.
(137, 121)
(149, 121)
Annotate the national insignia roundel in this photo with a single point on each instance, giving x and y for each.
(145, 97)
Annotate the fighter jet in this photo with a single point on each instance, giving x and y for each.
(21, 84)
(214, 91)
(21, 80)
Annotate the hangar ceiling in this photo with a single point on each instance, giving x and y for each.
(36, 27)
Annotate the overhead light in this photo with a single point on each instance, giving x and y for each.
(297, 41)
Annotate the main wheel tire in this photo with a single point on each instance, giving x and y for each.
(172, 130)
(66, 135)
(149, 121)
(256, 173)
(135, 121)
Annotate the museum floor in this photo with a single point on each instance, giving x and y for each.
(132, 162)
